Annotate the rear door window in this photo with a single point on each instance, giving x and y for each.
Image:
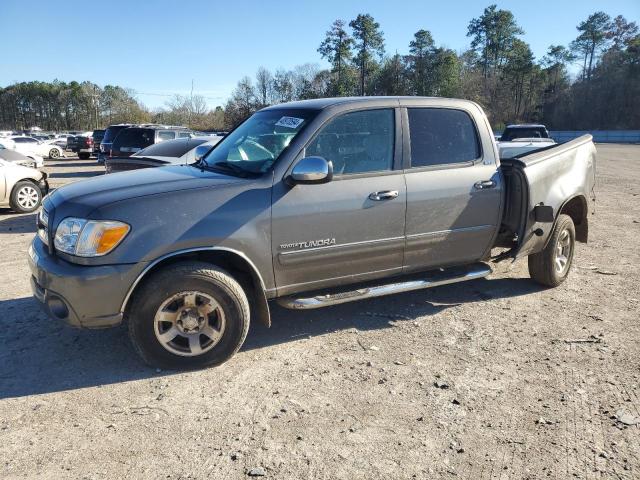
(441, 136)
(112, 132)
(133, 139)
(166, 135)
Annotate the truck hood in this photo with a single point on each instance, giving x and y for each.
(96, 192)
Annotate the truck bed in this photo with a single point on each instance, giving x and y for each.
(540, 185)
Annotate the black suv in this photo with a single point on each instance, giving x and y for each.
(110, 134)
(133, 139)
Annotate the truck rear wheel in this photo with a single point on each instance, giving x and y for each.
(189, 315)
(551, 266)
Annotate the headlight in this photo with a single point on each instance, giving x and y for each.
(89, 238)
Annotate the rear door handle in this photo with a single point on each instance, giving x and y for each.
(482, 184)
(384, 195)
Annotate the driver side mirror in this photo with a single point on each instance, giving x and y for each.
(201, 151)
(311, 170)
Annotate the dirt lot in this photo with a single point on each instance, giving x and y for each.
(490, 379)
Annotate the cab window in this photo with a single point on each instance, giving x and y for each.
(441, 136)
(357, 142)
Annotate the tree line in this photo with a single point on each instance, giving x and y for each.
(58, 106)
(61, 106)
(498, 70)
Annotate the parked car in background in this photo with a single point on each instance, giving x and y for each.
(305, 203)
(21, 188)
(109, 135)
(520, 146)
(59, 141)
(82, 145)
(7, 142)
(97, 136)
(133, 139)
(42, 138)
(181, 151)
(519, 139)
(29, 145)
(12, 156)
(513, 132)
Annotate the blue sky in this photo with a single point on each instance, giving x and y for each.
(158, 47)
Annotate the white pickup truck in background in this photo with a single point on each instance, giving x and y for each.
(519, 139)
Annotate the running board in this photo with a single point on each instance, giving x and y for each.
(440, 277)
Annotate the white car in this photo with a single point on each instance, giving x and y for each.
(21, 188)
(31, 160)
(60, 142)
(28, 145)
(36, 160)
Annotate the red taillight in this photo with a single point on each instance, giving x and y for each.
(90, 141)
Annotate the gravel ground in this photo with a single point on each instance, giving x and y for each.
(490, 379)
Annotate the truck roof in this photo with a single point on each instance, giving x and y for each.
(322, 103)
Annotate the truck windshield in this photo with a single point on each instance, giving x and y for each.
(256, 144)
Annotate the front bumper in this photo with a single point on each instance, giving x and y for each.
(82, 296)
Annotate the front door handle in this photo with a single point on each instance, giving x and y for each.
(384, 195)
(482, 184)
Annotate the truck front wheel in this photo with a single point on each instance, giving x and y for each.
(189, 315)
(551, 266)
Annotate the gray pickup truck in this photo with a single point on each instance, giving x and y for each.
(309, 204)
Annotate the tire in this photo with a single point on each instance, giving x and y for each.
(84, 156)
(25, 197)
(208, 299)
(551, 266)
(54, 153)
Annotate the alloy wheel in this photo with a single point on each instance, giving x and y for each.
(189, 323)
(563, 251)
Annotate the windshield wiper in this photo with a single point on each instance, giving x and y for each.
(230, 167)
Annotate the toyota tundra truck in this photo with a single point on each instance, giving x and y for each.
(308, 204)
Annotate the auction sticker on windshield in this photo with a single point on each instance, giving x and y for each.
(289, 122)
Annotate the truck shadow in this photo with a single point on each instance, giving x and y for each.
(42, 356)
(289, 325)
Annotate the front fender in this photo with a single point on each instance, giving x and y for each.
(234, 217)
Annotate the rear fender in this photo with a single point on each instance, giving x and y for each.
(577, 208)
